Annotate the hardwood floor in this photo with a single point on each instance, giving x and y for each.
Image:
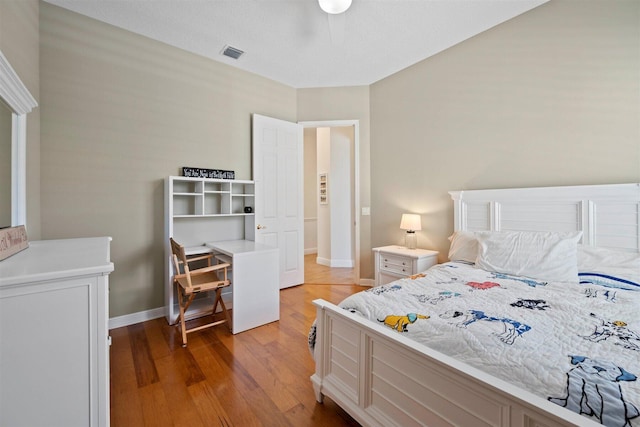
(259, 377)
(315, 273)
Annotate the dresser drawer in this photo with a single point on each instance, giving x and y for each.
(395, 264)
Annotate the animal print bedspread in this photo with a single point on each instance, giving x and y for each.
(577, 345)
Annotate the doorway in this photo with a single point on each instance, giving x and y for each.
(331, 189)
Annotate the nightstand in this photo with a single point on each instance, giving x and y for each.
(395, 262)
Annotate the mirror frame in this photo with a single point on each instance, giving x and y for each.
(18, 98)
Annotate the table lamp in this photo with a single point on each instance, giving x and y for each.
(411, 223)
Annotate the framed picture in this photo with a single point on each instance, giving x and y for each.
(12, 240)
(324, 189)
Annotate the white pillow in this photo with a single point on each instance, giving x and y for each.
(609, 267)
(540, 255)
(596, 259)
(464, 246)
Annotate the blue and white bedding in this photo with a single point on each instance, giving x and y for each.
(577, 345)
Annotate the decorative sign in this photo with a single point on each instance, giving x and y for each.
(208, 173)
(12, 241)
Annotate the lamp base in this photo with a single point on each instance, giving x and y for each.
(410, 240)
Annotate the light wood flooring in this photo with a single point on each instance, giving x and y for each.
(256, 378)
(315, 273)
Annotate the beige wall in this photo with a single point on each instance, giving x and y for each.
(121, 112)
(551, 97)
(310, 192)
(19, 39)
(346, 103)
(310, 174)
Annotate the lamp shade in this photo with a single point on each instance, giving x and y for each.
(410, 222)
(334, 6)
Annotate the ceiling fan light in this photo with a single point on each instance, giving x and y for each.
(334, 6)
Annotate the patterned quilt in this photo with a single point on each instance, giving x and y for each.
(577, 345)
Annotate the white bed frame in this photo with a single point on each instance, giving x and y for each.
(384, 379)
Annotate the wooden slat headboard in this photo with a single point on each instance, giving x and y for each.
(608, 215)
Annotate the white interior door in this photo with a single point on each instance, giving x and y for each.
(278, 176)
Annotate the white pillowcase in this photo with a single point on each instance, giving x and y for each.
(609, 267)
(464, 246)
(547, 256)
(591, 258)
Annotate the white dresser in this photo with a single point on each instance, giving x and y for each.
(395, 262)
(54, 343)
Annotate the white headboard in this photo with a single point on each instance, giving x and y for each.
(608, 215)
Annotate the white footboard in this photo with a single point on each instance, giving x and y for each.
(384, 379)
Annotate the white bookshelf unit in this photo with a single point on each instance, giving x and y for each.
(199, 210)
(196, 197)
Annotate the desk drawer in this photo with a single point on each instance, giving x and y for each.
(395, 264)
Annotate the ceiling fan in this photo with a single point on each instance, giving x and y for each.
(335, 15)
(334, 7)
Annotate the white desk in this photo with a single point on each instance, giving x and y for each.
(255, 282)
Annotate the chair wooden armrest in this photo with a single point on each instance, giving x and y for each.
(199, 258)
(177, 276)
(204, 270)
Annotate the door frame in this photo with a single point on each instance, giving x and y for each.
(356, 180)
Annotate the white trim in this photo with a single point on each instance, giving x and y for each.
(13, 91)
(310, 251)
(323, 261)
(16, 95)
(356, 184)
(155, 313)
(588, 222)
(367, 282)
(338, 263)
(133, 318)
(18, 169)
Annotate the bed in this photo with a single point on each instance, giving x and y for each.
(497, 339)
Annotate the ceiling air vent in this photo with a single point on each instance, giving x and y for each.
(232, 52)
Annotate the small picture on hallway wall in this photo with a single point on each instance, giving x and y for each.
(323, 189)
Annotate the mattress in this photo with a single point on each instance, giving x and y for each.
(577, 345)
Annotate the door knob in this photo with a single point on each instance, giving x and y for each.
(260, 227)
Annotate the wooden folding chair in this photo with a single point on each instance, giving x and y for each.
(190, 282)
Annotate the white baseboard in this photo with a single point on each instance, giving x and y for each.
(309, 251)
(367, 282)
(140, 316)
(346, 263)
(323, 261)
(143, 316)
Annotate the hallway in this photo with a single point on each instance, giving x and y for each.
(316, 274)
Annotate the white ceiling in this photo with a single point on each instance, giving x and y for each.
(290, 41)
